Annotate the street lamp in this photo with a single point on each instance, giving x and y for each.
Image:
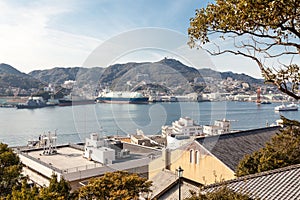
(179, 173)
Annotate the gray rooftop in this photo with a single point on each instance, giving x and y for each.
(283, 183)
(165, 186)
(232, 147)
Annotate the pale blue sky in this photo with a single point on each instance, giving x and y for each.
(45, 34)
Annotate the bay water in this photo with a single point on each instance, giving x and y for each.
(75, 123)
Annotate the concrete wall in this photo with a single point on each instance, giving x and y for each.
(138, 148)
(42, 168)
(36, 177)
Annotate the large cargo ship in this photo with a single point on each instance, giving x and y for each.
(122, 97)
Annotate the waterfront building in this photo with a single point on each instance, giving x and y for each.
(181, 132)
(183, 126)
(241, 97)
(185, 129)
(212, 130)
(219, 127)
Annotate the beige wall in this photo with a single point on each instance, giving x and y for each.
(207, 170)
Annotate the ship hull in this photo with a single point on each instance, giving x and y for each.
(64, 102)
(290, 107)
(121, 100)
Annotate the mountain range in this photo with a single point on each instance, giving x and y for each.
(170, 72)
(11, 77)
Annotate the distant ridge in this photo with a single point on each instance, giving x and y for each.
(8, 69)
(11, 77)
(206, 72)
(170, 72)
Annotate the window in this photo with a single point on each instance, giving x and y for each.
(191, 156)
(196, 157)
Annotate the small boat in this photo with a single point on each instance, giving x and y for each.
(290, 107)
(265, 102)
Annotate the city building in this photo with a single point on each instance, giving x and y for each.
(184, 126)
(219, 127)
(77, 163)
(282, 183)
(212, 158)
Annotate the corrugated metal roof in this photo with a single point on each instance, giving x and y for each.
(232, 147)
(283, 183)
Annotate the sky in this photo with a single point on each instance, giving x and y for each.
(40, 34)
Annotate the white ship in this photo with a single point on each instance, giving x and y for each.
(290, 107)
(121, 97)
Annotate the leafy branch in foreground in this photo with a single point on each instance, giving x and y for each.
(264, 31)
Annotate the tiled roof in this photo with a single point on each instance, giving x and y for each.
(165, 186)
(283, 183)
(232, 147)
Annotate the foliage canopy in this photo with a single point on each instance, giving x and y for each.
(56, 190)
(283, 150)
(115, 185)
(260, 30)
(10, 170)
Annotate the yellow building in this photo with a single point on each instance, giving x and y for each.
(207, 160)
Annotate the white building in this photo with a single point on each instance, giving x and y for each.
(212, 130)
(183, 126)
(224, 124)
(181, 132)
(95, 150)
(220, 127)
(68, 84)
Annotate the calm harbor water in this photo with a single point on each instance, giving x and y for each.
(74, 123)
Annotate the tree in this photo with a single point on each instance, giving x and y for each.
(262, 30)
(10, 170)
(283, 150)
(25, 193)
(56, 190)
(115, 185)
(222, 193)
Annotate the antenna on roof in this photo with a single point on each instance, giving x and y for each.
(49, 142)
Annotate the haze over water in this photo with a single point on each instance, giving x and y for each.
(75, 123)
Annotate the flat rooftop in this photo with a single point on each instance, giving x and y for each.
(65, 159)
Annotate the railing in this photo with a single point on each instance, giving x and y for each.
(82, 168)
(77, 146)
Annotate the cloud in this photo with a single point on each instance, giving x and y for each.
(25, 37)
